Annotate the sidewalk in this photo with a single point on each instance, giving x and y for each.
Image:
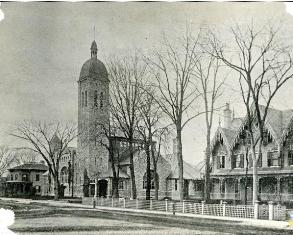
(242, 221)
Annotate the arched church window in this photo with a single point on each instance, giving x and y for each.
(96, 98)
(64, 175)
(152, 180)
(85, 99)
(101, 100)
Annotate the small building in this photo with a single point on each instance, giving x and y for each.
(25, 179)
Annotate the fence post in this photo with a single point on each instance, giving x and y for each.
(124, 203)
(256, 208)
(151, 204)
(112, 202)
(271, 210)
(173, 207)
(166, 204)
(224, 208)
(102, 201)
(136, 203)
(202, 207)
(94, 203)
(183, 206)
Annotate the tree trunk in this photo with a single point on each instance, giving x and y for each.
(246, 178)
(207, 182)
(148, 171)
(132, 176)
(56, 188)
(254, 173)
(180, 164)
(115, 181)
(155, 173)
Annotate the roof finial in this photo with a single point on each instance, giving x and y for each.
(219, 121)
(94, 32)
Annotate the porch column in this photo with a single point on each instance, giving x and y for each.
(222, 184)
(109, 188)
(96, 188)
(278, 186)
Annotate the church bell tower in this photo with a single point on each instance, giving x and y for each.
(93, 115)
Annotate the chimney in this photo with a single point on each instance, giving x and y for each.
(227, 117)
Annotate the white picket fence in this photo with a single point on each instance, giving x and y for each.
(239, 211)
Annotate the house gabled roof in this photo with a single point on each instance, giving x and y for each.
(277, 123)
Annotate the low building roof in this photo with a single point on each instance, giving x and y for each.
(189, 172)
(30, 166)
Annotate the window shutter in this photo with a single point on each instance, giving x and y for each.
(218, 162)
(250, 160)
(242, 160)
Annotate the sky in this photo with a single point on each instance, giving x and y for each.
(43, 46)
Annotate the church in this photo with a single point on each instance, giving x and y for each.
(92, 173)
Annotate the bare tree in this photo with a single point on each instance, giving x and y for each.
(161, 136)
(264, 64)
(49, 140)
(210, 88)
(173, 68)
(23, 156)
(126, 75)
(150, 115)
(7, 157)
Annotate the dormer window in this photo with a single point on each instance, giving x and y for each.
(273, 159)
(221, 162)
(238, 161)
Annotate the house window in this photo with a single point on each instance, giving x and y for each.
(101, 100)
(290, 158)
(16, 176)
(96, 98)
(37, 177)
(38, 189)
(11, 177)
(238, 161)
(273, 159)
(176, 184)
(121, 184)
(152, 180)
(24, 177)
(221, 162)
(222, 187)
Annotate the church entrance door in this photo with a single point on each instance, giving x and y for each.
(103, 185)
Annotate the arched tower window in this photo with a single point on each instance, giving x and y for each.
(101, 100)
(152, 180)
(96, 98)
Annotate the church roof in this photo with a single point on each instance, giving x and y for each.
(93, 68)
